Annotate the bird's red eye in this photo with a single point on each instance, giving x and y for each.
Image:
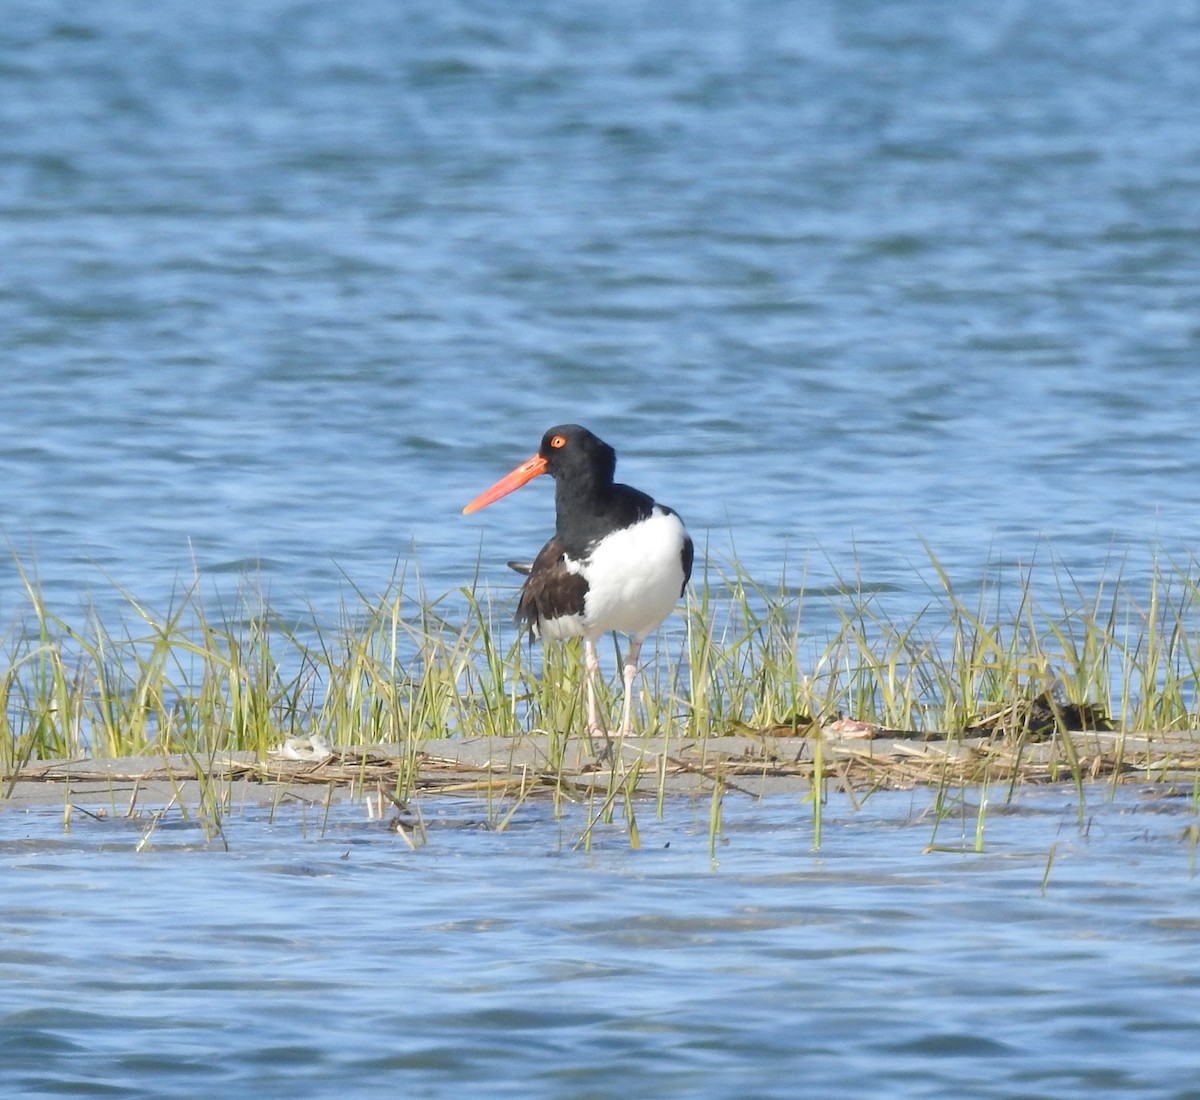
(558, 441)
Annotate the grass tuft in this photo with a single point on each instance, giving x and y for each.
(399, 668)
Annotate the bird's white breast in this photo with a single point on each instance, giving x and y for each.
(635, 576)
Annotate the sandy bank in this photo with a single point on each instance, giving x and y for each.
(505, 767)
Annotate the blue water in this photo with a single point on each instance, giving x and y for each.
(336, 961)
(284, 284)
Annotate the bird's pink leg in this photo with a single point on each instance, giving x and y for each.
(591, 669)
(631, 668)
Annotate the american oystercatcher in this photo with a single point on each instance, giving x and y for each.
(618, 560)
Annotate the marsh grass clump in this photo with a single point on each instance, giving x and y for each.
(1003, 660)
(1010, 656)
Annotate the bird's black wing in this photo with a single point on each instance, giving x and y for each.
(551, 590)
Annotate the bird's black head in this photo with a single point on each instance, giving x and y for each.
(582, 464)
(574, 454)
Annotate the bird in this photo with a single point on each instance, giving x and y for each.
(618, 560)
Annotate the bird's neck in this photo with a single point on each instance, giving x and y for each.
(585, 513)
(579, 506)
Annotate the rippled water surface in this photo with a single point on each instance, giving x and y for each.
(310, 961)
(284, 284)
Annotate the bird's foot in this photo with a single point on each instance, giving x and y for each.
(596, 732)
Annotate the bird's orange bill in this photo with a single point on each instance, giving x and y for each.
(527, 471)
